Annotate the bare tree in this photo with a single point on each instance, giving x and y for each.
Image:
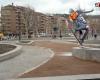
(29, 20)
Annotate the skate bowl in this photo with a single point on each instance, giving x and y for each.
(87, 53)
(16, 50)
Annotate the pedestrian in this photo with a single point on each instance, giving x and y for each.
(95, 35)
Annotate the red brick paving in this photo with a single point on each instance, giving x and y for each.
(62, 65)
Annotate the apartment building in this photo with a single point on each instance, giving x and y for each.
(12, 19)
(42, 24)
(8, 19)
(18, 19)
(48, 26)
(0, 23)
(57, 25)
(93, 22)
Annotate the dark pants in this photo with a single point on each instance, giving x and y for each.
(84, 35)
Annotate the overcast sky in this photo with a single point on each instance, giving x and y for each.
(55, 6)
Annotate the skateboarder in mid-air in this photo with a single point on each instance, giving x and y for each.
(79, 23)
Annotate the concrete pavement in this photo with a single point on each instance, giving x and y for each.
(31, 63)
(31, 58)
(70, 77)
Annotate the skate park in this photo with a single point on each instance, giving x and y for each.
(56, 43)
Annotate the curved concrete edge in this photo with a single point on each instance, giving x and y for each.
(31, 41)
(11, 53)
(87, 53)
(64, 77)
(49, 58)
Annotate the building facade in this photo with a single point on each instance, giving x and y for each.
(8, 19)
(18, 19)
(12, 20)
(93, 22)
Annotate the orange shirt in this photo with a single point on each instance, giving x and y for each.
(73, 15)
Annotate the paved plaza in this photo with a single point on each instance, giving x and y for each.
(29, 58)
(47, 59)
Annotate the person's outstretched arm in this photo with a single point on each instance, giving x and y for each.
(88, 11)
(82, 12)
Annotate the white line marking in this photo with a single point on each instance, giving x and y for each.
(52, 55)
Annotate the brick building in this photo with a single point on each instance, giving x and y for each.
(15, 19)
(93, 22)
(57, 25)
(12, 20)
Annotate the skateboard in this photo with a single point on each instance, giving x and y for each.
(77, 38)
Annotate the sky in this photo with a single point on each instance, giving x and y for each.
(55, 6)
